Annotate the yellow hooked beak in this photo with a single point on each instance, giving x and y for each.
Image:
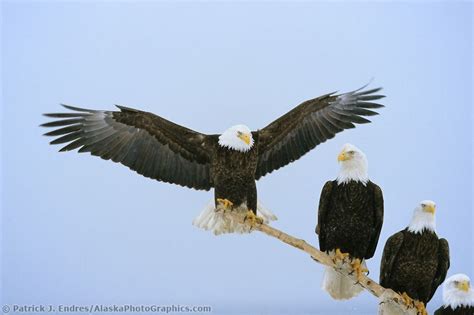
(430, 209)
(464, 286)
(245, 137)
(342, 157)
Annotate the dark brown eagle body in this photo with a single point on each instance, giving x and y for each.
(237, 186)
(462, 310)
(415, 263)
(160, 149)
(350, 218)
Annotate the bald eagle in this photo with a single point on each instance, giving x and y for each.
(415, 261)
(458, 296)
(230, 163)
(350, 219)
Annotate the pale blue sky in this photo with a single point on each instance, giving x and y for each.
(80, 230)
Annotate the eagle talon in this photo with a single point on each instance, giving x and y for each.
(358, 269)
(407, 300)
(225, 203)
(420, 307)
(252, 219)
(340, 256)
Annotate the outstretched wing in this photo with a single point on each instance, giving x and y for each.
(378, 215)
(322, 213)
(311, 123)
(390, 253)
(148, 144)
(443, 265)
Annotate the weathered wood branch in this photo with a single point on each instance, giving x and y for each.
(387, 295)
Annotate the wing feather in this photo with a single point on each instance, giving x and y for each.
(443, 265)
(378, 215)
(311, 123)
(323, 210)
(390, 254)
(148, 144)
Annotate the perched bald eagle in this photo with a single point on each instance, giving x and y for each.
(415, 261)
(230, 163)
(458, 296)
(350, 219)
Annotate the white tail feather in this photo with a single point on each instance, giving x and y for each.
(216, 220)
(340, 287)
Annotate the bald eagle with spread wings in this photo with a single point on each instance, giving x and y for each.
(230, 163)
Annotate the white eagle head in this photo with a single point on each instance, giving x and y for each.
(457, 291)
(423, 217)
(354, 165)
(238, 137)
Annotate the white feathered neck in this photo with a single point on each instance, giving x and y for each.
(354, 167)
(422, 220)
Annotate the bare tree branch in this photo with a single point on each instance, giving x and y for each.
(385, 295)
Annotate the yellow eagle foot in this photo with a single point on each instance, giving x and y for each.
(225, 203)
(359, 269)
(420, 307)
(339, 256)
(407, 300)
(252, 219)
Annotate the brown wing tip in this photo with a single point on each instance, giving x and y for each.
(125, 108)
(77, 109)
